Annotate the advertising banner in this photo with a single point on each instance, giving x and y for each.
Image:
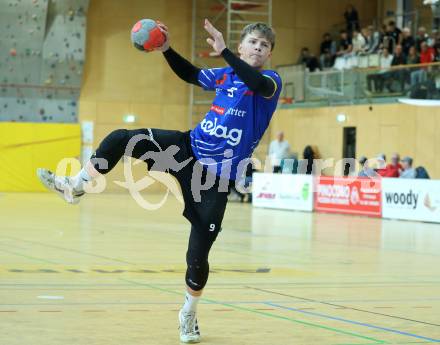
(359, 196)
(282, 191)
(411, 199)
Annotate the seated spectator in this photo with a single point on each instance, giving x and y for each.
(398, 74)
(351, 19)
(309, 156)
(345, 44)
(437, 40)
(426, 56)
(373, 40)
(381, 164)
(407, 40)
(398, 57)
(422, 173)
(408, 170)
(415, 75)
(432, 39)
(365, 170)
(413, 57)
(378, 79)
(359, 42)
(390, 170)
(394, 167)
(308, 60)
(437, 54)
(382, 34)
(426, 53)
(420, 38)
(327, 51)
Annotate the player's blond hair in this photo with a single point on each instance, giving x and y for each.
(262, 28)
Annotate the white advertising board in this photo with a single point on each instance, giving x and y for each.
(411, 199)
(282, 191)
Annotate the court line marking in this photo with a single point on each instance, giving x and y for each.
(305, 323)
(391, 330)
(345, 307)
(69, 250)
(29, 257)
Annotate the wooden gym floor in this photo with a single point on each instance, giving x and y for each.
(108, 272)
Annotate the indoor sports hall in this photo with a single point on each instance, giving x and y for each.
(331, 234)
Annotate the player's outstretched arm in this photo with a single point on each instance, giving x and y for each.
(184, 69)
(254, 80)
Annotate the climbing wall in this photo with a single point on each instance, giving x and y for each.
(41, 60)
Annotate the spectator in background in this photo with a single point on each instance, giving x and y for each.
(408, 170)
(398, 57)
(431, 40)
(327, 51)
(308, 60)
(437, 54)
(358, 41)
(398, 74)
(373, 39)
(365, 170)
(437, 40)
(407, 40)
(413, 57)
(382, 34)
(420, 38)
(351, 19)
(381, 164)
(391, 36)
(309, 156)
(345, 44)
(394, 168)
(415, 75)
(378, 79)
(394, 32)
(426, 53)
(278, 150)
(390, 170)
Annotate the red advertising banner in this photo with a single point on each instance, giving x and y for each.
(349, 195)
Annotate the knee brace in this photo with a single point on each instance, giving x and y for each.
(197, 271)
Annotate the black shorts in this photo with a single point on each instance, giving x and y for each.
(204, 207)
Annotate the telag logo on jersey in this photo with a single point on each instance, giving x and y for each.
(219, 131)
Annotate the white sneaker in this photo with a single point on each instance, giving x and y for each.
(62, 185)
(189, 329)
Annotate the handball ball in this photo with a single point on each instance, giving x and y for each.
(146, 35)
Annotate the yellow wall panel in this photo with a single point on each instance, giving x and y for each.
(28, 146)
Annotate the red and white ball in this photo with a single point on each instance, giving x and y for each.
(146, 35)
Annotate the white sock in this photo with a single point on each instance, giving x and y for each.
(190, 302)
(81, 178)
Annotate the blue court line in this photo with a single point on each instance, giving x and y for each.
(354, 322)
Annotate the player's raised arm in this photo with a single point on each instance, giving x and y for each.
(254, 80)
(184, 69)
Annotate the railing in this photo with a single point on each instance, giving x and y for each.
(360, 85)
